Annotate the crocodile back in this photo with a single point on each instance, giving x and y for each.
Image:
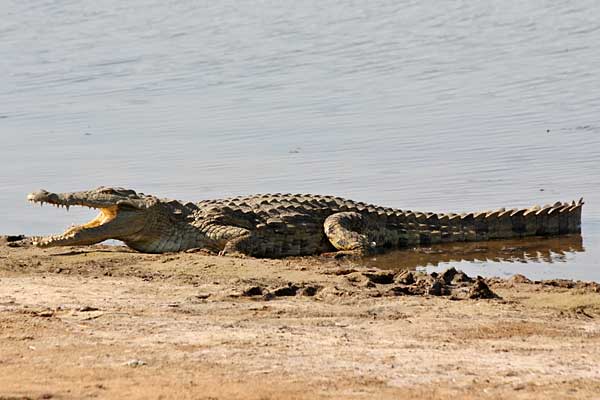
(285, 206)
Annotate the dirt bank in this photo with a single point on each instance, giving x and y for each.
(104, 322)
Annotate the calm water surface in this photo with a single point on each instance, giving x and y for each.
(457, 106)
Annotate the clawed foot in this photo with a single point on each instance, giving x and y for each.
(234, 254)
(201, 250)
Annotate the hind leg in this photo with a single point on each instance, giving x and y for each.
(345, 232)
(239, 246)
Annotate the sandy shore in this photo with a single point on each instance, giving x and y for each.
(105, 322)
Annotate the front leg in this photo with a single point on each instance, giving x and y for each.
(261, 242)
(227, 239)
(274, 239)
(238, 246)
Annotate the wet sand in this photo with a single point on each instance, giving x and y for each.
(105, 322)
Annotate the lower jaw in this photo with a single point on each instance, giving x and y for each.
(48, 242)
(54, 241)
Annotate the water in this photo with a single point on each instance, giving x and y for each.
(459, 106)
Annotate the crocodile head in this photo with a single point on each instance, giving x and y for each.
(123, 214)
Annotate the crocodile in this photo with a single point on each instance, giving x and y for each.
(279, 225)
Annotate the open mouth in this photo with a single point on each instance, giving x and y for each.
(89, 233)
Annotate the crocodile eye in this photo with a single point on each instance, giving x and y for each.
(108, 191)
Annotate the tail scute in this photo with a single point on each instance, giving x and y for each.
(551, 219)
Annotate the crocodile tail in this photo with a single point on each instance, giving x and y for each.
(426, 228)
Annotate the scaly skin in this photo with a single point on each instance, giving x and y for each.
(280, 225)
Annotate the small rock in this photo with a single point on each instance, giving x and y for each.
(13, 238)
(561, 283)
(44, 313)
(405, 278)
(344, 271)
(289, 290)
(518, 278)
(309, 291)
(461, 277)
(368, 284)
(453, 276)
(399, 291)
(331, 291)
(448, 275)
(135, 363)
(438, 288)
(381, 277)
(253, 291)
(355, 277)
(480, 290)
(87, 308)
(268, 296)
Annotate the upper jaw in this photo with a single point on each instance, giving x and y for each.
(43, 196)
(90, 199)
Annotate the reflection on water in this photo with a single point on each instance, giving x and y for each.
(484, 258)
(526, 250)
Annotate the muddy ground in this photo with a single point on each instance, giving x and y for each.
(105, 322)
